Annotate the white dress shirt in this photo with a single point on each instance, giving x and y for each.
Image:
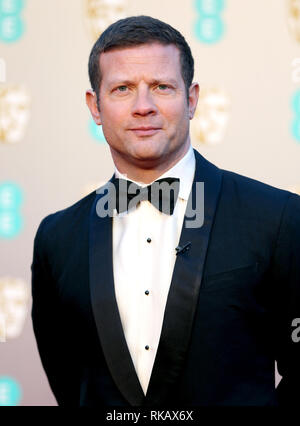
(144, 241)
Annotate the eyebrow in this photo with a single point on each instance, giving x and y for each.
(152, 82)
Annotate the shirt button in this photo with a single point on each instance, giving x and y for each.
(147, 347)
(147, 292)
(148, 240)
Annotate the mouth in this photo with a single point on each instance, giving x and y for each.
(145, 130)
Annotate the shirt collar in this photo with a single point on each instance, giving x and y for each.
(184, 169)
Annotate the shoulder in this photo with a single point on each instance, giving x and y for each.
(256, 194)
(259, 207)
(65, 221)
(250, 200)
(247, 193)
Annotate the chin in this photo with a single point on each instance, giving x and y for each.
(150, 155)
(148, 149)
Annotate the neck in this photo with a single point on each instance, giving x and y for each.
(150, 172)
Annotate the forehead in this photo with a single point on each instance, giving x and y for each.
(145, 58)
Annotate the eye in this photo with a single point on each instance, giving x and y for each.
(163, 86)
(122, 88)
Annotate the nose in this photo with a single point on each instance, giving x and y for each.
(144, 103)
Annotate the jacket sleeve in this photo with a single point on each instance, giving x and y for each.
(286, 287)
(47, 324)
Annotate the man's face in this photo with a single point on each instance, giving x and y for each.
(143, 105)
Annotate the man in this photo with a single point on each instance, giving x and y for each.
(146, 307)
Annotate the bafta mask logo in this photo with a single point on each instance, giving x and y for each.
(14, 112)
(211, 117)
(99, 14)
(293, 18)
(14, 296)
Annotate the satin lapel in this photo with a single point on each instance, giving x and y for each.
(106, 311)
(184, 289)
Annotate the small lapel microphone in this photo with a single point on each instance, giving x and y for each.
(183, 249)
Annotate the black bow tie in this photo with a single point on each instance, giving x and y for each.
(162, 193)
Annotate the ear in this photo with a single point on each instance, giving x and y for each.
(91, 101)
(193, 99)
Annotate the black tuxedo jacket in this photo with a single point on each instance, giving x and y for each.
(228, 316)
